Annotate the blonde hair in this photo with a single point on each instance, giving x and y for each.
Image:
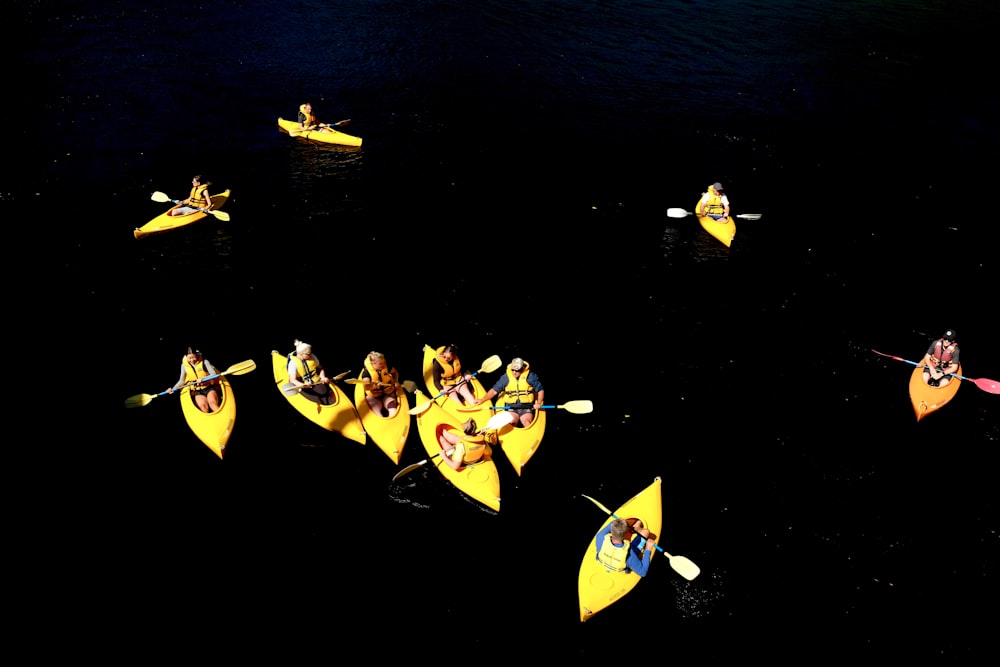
(375, 356)
(301, 347)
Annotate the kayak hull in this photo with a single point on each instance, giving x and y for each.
(479, 481)
(926, 399)
(212, 428)
(724, 231)
(339, 417)
(389, 433)
(333, 137)
(599, 587)
(166, 222)
(520, 444)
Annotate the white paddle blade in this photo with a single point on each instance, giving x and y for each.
(684, 567)
(499, 420)
(160, 197)
(677, 213)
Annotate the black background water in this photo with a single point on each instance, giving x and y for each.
(510, 196)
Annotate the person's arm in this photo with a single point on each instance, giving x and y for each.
(436, 371)
(699, 208)
(539, 388)
(208, 199)
(639, 559)
(293, 374)
(725, 203)
(322, 371)
(180, 380)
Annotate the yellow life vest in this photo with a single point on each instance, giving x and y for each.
(613, 556)
(712, 205)
(197, 196)
(307, 119)
(194, 372)
(470, 449)
(518, 390)
(451, 373)
(384, 376)
(308, 369)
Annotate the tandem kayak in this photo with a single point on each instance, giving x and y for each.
(165, 222)
(212, 428)
(600, 587)
(339, 417)
(927, 399)
(389, 433)
(331, 137)
(723, 230)
(480, 481)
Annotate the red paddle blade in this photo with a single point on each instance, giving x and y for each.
(991, 386)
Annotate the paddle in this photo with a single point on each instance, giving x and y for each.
(162, 197)
(991, 386)
(408, 385)
(290, 389)
(241, 368)
(296, 133)
(576, 407)
(681, 213)
(488, 366)
(681, 565)
(496, 422)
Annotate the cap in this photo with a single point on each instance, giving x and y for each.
(949, 335)
(717, 186)
(517, 364)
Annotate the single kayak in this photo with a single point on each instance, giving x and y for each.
(212, 428)
(339, 416)
(166, 222)
(723, 230)
(460, 412)
(600, 587)
(480, 481)
(520, 444)
(389, 433)
(331, 137)
(927, 399)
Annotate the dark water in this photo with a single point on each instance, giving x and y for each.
(510, 196)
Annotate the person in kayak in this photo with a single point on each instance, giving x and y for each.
(305, 371)
(625, 545)
(941, 360)
(198, 200)
(449, 378)
(307, 121)
(714, 203)
(381, 394)
(194, 368)
(459, 451)
(522, 391)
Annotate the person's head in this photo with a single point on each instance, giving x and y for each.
(450, 352)
(717, 187)
(377, 360)
(303, 349)
(619, 528)
(306, 107)
(949, 336)
(192, 355)
(517, 365)
(470, 426)
(198, 179)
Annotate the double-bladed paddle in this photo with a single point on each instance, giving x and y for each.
(576, 407)
(488, 366)
(290, 389)
(681, 213)
(991, 386)
(408, 385)
(140, 400)
(163, 197)
(682, 566)
(495, 422)
(296, 133)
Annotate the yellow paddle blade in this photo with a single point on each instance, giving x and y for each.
(577, 407)
(683, 566)
(139, 400)
(219, 215)
(491, 364)
(606, 510)
(241, 368)
(358, 381)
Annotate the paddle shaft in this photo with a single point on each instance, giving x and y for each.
(681, 213)
(235, 369)
(987, 385)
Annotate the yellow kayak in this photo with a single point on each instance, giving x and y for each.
(332, 137)
(479, 481)
(339, 417)
(389, 433)
(600, 587)
(480, 413)
(212, 428)
(166, 222)
(723, 230)
(520, 444)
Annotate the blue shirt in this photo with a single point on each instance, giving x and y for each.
(635, 562)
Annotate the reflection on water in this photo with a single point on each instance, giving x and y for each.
(685, 242)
